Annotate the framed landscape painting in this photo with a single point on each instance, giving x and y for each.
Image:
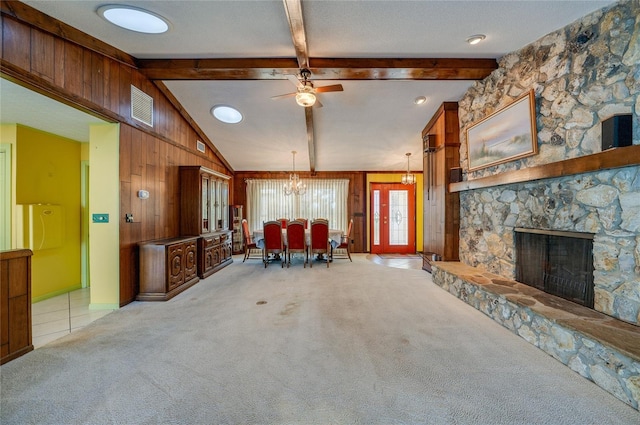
(506, 135)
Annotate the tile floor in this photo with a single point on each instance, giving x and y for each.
(398, 261)
(56, 317)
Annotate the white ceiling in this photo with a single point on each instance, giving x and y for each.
(369, 126)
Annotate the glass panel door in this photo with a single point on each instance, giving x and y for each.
(398, 217)
(215, 205)
(375, 206)
(206, 203)
(224, 204)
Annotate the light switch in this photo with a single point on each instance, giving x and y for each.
(100, 218)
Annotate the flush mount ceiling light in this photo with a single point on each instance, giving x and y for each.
(226, 114)
(419, 100)
(134, 19)
(475, 39)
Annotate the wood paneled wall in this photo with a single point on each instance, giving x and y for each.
(356, 204)
(100, 83)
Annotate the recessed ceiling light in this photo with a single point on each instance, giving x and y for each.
(475, 39)
(419, 100)
(134, 19)
(226, 114)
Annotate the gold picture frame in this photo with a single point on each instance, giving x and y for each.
(506, 135)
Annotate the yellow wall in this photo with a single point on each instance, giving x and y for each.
(395, 178)
(104, 198)
(48, 172)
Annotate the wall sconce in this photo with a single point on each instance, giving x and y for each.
(143, 194)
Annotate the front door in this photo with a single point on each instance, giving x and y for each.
(393, 221)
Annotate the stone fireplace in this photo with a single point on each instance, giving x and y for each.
(558, 263)
(604, 203)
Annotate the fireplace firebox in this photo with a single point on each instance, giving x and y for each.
(556, 262)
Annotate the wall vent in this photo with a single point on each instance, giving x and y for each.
(200, 146)
(141, 106)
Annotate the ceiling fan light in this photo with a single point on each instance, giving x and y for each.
(134, 19)
(305, 99)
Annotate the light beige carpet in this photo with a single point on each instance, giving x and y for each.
(357, 343)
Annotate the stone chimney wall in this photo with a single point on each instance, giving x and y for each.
(581, 75)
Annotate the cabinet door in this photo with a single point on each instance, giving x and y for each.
(215, 204)
(215, 255)
(226, 251)
(175, 272)
(190, 260)
(206, 203)
(224, 202)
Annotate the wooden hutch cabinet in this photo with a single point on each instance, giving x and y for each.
(167, 267)
(15, 303)
(441, 142)
(204, 212)
(236, 226)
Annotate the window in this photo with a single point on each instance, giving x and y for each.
(325, 198)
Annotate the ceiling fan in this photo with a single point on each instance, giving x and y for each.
(306, 93)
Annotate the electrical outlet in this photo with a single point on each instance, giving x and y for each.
(100, 218)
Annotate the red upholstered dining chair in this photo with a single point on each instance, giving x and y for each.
(305, 221)
(273, 243)
(345, 244)
(284, 222)
(296, 241)
(319, 243)
(249, 245)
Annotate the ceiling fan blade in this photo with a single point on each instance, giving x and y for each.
(294, 80)
(281, 96)
(324, 89)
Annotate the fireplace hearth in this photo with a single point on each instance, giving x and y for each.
(556, 262)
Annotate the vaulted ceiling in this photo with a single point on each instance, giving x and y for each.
(384, 53)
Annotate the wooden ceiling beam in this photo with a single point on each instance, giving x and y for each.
(321, 68)
(293, 9)
(311, 137)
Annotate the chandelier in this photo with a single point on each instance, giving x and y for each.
(294, 185)
(408, 178)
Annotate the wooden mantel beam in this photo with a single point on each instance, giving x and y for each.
(321, 69)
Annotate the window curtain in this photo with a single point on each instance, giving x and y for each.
(325, 198)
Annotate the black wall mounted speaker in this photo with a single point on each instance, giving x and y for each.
(616, 132)
(455, 175)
